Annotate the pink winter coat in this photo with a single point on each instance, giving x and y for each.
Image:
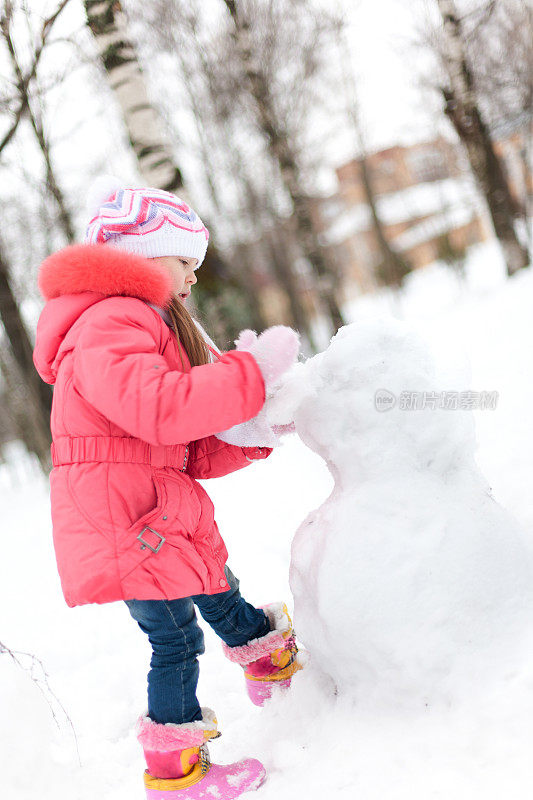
(132, 430)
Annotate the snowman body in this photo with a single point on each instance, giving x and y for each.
(410, 581)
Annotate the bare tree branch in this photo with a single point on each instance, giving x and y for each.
(24, 81)
(37, 672)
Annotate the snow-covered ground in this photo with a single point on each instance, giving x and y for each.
(313, 743)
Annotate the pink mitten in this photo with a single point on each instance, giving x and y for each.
(246, 339)
(275, 350)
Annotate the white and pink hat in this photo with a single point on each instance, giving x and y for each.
(149, 222)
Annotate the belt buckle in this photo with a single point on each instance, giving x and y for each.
(145, 544)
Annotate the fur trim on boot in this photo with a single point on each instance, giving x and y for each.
(170, 736)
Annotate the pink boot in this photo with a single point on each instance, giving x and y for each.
(179, 767)
(271, 660)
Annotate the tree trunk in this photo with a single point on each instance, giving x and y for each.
(211, 123)
(394, 266)
(463, 111)
(281, 266)
(22, 416)
(264, 214)
(38, 394)
(281, 150)
(65, 218)
(108, 24)
(199, 110)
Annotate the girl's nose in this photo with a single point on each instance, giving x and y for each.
(192, 279)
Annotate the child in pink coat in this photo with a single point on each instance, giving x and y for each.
(139, 396)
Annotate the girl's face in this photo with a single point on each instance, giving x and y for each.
(181, 270)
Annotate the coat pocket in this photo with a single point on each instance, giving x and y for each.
(144, 537)
(158, 548)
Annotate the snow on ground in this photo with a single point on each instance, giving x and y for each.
(314, 744)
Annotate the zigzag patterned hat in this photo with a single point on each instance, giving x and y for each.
(149, 222)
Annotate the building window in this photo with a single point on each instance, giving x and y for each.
(386, 166)
(331, 208)
(427, 165)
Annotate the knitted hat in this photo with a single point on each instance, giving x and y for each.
(149, 222)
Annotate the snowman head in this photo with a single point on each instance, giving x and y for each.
(349, 403)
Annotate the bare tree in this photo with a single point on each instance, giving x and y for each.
(15, 103)
(109, 26)
(33, 397)
(182, 41)
(255, 207)
(462, 106)
(394, 267)
(29, 399)
(22, 418)
(237, 170)
(29, 100)
(501, 45)
(247, 19)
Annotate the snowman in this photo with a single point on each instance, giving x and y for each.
(411, 584)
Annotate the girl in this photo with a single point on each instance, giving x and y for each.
(139, 396)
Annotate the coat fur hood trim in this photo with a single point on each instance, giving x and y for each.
(104, 269)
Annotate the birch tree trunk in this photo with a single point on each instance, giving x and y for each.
(282, 152)
(109, 26)
(462, 108)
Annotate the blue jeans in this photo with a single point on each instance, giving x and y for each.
(177, 640)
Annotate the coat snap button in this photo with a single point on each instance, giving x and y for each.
(165, 516)
(222, 582)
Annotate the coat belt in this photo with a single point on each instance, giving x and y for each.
(117, 449)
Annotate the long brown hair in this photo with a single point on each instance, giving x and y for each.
(188, 334)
